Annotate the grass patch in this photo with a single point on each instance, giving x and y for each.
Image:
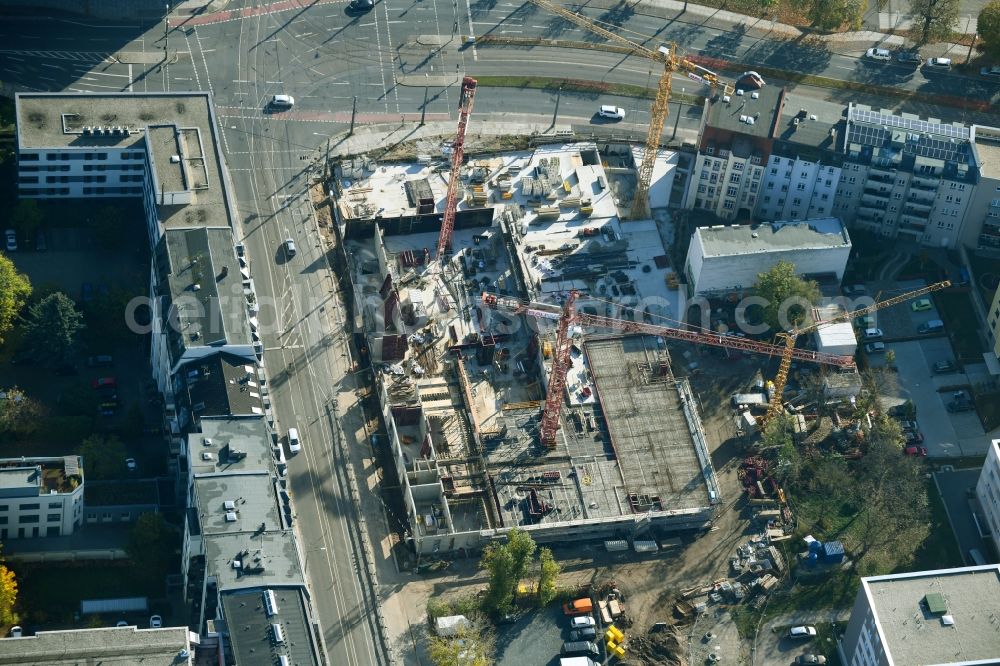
(956, 310)
(826, 642)
(50, 594)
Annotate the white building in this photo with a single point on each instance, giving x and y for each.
(40, 497)
(725, 259)
(988, 492)
(940, 617)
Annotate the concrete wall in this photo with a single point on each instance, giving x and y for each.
(988, 492)
(736, 273)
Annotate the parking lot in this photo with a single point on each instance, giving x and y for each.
(535, 638)
(946, 434)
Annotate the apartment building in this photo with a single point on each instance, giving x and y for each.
(948, 616)
(993, 324)
(988, 494)
(40, 497)
(165, 149)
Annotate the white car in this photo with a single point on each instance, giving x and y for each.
(290, 249)
(582, 622)
(612, 112)
(875, 347)
(873, 333)
(943, 64)
(294, 443)
(282, 101)
(155, 622)
(130, 464)
(878, 54)
(11, 239)
(802, 632)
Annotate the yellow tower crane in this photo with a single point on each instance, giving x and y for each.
(775, 407)
(672, 62)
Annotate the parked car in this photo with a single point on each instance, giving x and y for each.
(991, 72)
(921, 305)
(294, 443)
(290, 249)
(582, 622)
(909, 425)
(282, 102)
(914, 437)
(882, 55)
(938, 64)
(915, 451)
(943, 367)
(585, 634)
(100, 361)
(611, 112)
(362, 5)
(802, 631)
(875, 348)
(11, 237)
(130, 464)
(102, 382)
(873, 333)
(155, 622)
(811, 659)
(909, 58)
(962, 405)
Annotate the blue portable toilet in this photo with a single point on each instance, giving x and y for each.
(815, 546)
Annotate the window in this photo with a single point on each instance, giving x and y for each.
(777, 160)
(55, 505)
(52, 157)
(802, 176)
(53, 530)
(892, 209)
(28, 179)
(704, 175)
(828, 183)
(753, 187)
(784, 188)
(731, 191)
(796, 201)
(770, 186)
(53, 517)
(30, 507)
(728, 205)
(714, 178)
(795, 213)
(4, 507)
(901, 182)
(711, 192)
(716, 166)
(949, 198)
(102, 156)
(897, 195)
(738, 166)
(701, 189)
(852, 179)
(3, 520)
(710, 150)
(28, 519)
(29, 157)
(774, 171)
(767, 199)
(801, 187)
(824, 197)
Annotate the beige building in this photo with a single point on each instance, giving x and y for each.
(988, 493)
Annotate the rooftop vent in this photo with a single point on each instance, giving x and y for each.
(174, 159)
(231, 517)
(88, 130)
(739, 92)
(947, 620)
(230, 505)
(196, 287)
(208, 440)
(726, 99)
(755, 95)
(279, 633)
(936, 604)
(206, 455)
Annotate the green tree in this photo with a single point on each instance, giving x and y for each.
(27, 217)
(151, 544)
(507, 564)
(52, 326)
(103, 457)
(988, 27)
(934, 18)
(834, 14)
(548, 576)
(14, 292)
(19, 413)
(778, 435)
(787, 296)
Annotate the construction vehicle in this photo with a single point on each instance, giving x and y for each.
(568, 315)
(672, 62)
(465, 100)
(776, 406)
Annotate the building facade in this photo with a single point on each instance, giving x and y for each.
(988, 494)
(40, 497)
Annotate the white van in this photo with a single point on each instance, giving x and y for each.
(878, 54)
(942, 64)
(282, 101)
(294, 443)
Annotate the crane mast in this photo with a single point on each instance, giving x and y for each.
(568, 316)
(468, 95)
(775, 406)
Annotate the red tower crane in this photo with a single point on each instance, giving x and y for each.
(457, 153)
(567, 316)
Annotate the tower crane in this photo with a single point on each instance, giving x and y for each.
(567, 315)
(672, 62)
(775, 406)
(467, 96)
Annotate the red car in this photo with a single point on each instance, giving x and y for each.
(915, 451)
(102, 382)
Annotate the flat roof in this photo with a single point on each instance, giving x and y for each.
(986, 143)
(810, 122)
(221, 437)
(202, 270)
(253, 497)
(19, 478)
(183, 121)
(763, 106)
(654, 440)
(913, 635)
(744, 239)
(251, 632)
(109, 645)
(267, 559)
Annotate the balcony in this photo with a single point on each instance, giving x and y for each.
(870, 213)
(882, 192)
(881, 171)
(912, 222)
(881, 178)
(917, 207)
(920, 198)
(872, 201)
(925, 181)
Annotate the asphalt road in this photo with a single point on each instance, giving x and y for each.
(389, 60)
